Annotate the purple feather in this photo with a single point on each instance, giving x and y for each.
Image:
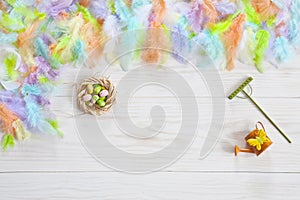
(196, 17)
(99, 9)
(225, 7)
(14, 102)
(180, 43)
(43, 69)
(23, 68)
(53, 8)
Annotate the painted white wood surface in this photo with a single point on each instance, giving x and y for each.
(47, 167)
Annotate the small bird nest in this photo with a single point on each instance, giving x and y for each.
(96, 96)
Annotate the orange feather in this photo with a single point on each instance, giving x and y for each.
(210, 11)
(156, 39)
(25, 43)
(231, 39)
(7, 118)
(84, 3)
(159, 8)
(265, 8)
(154, 43)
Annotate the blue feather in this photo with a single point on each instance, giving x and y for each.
(41, 48)
(35, 119)
(33, 111)
(138, 3)
(8, 38)
(282, 49)
(29, 89)
(294, 24)
(122, 11)
(128, 44)
(78, 51)
(211, 44)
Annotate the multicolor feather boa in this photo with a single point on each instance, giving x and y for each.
(38, 37)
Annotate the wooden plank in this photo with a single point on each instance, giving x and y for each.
(46, 153)
(274, 83)
(94, 186)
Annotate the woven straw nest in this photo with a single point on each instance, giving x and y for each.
(96, 109)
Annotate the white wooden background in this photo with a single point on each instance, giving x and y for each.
(47, 167)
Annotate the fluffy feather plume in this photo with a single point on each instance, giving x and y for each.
(225, 7)
(36, 119)
(128, 40)
(252, 15)
(99, 9)
(282, 49)
(223, 25)
(247, 46)
(20, 131)
(266, 8)
(128, 44)
(63, 49)
(294, 24)
(210, 11)
(94, 40)
(42, 50)
(261, 44)
(231, 39)
(196, 16)
(25, 43)
(154, 44)
(11, 23)
(14, 103)
(123, 11)
(156, 38)
(54, 8)
(7, 118)
(6, 52)
(7, 141)
(159, 10)
(10, 64)
(12, 126)
(180, 41)
(7, 38)
(211, 43)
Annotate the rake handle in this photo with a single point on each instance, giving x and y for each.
(267, 116)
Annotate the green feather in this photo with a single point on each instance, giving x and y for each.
(43, 80)
(11, 2)
(221, 27)
(60, 46)
(111, 6)
(252, 16)
(261, 44)
(7, 141)
(54, 124)
(11, 23)
(10, 64)
(87, 15)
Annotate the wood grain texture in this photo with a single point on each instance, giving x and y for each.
(47, 167)
(167, 186)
